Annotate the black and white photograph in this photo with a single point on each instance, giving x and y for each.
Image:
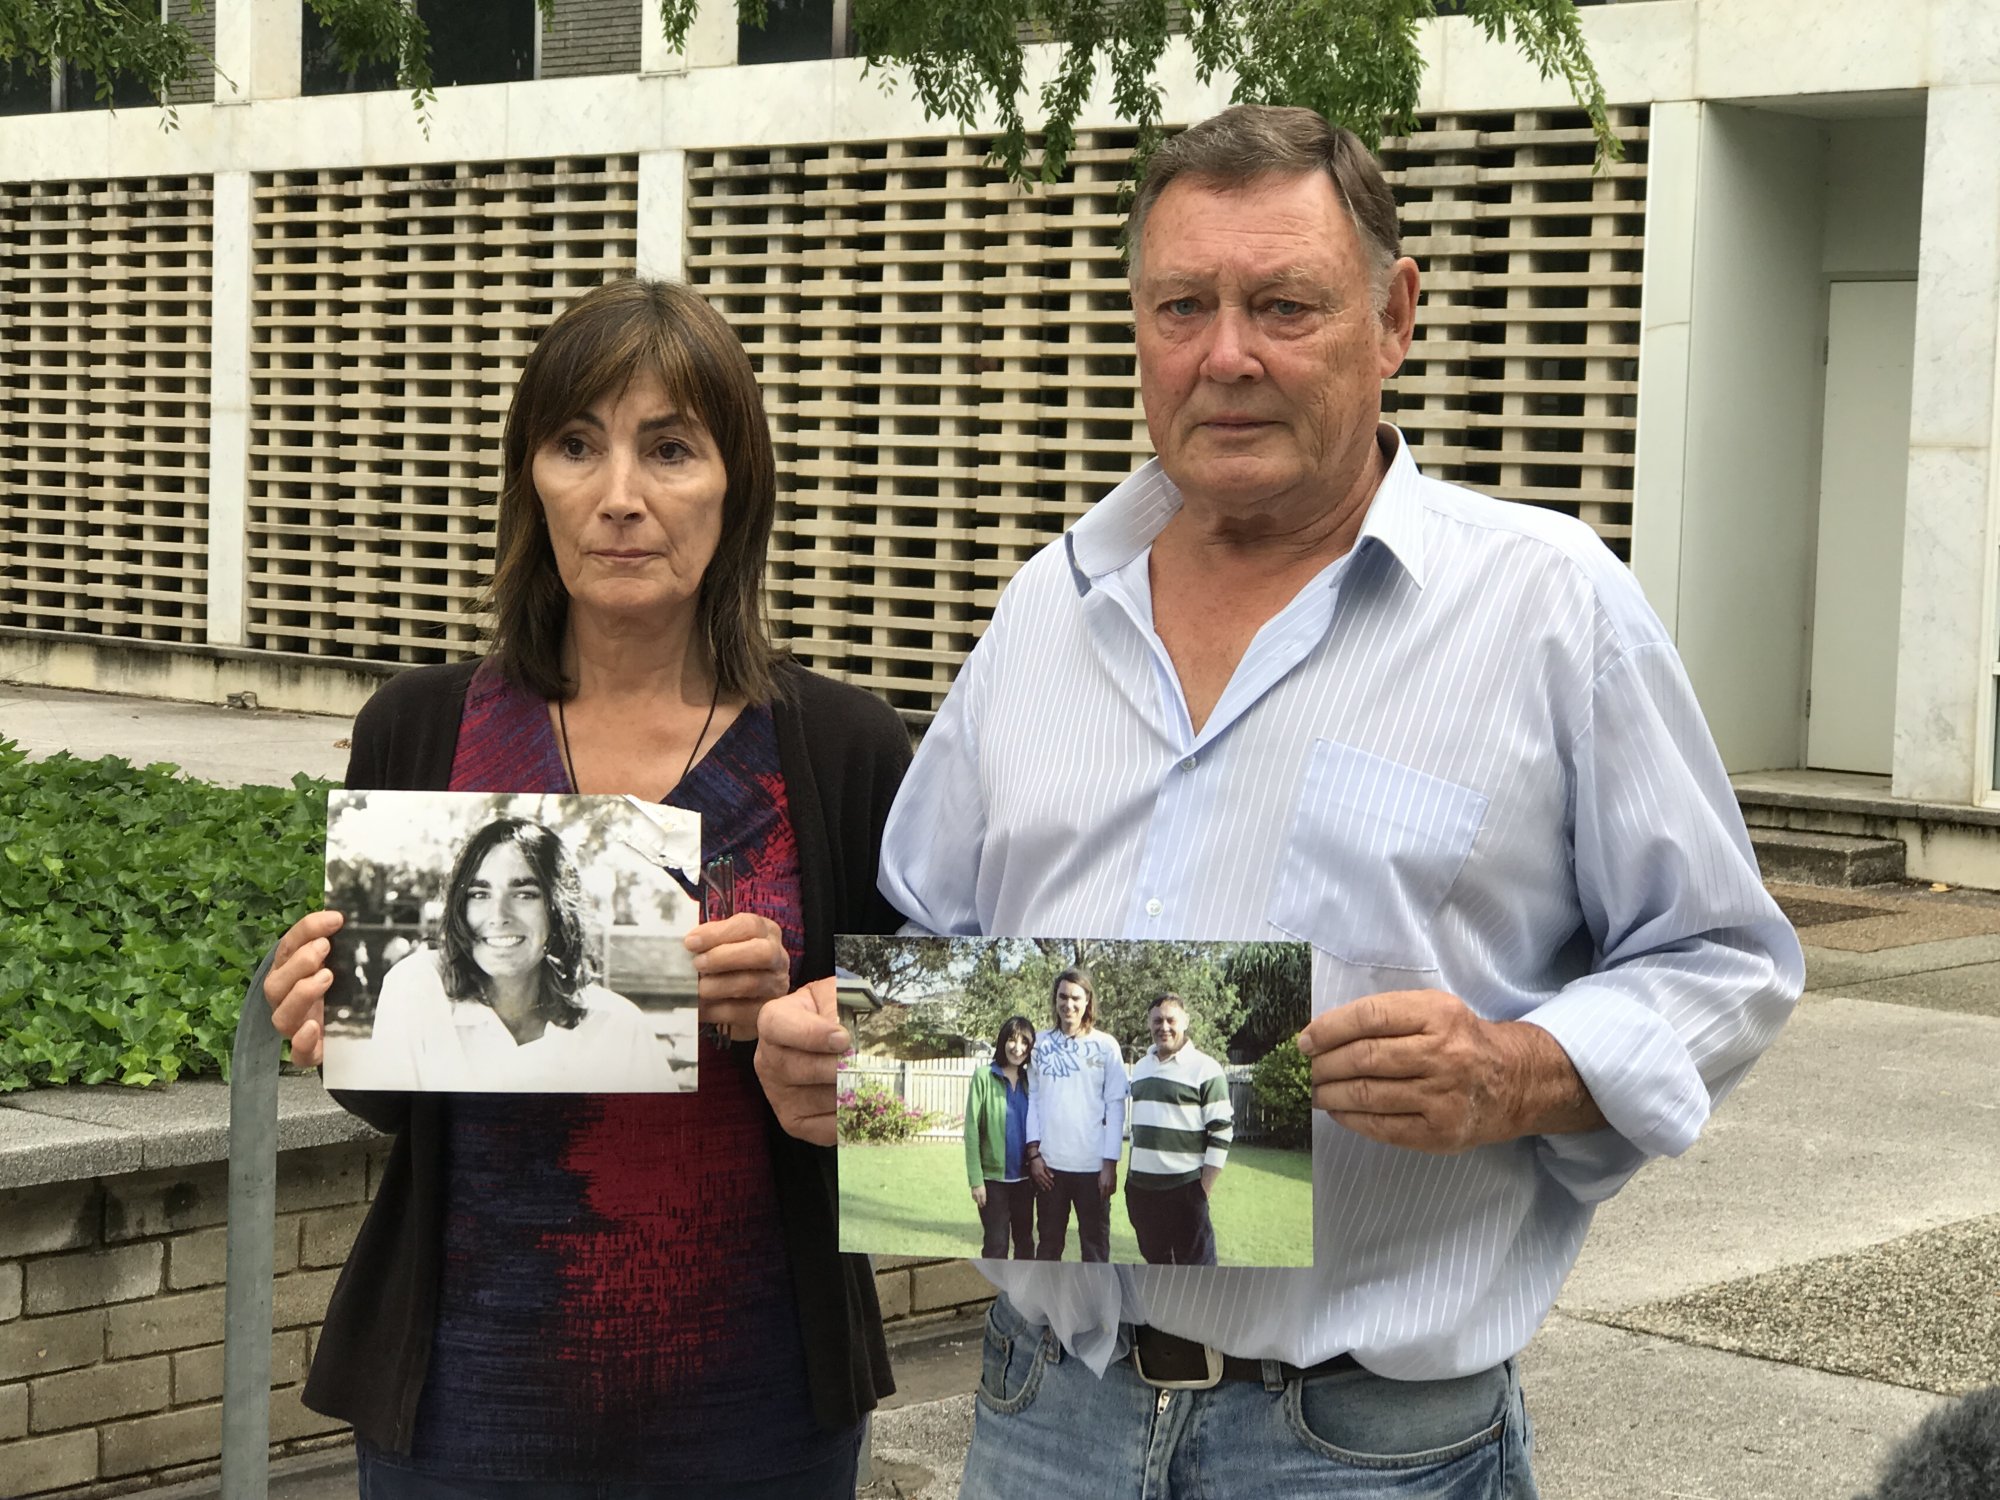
(511, 943)
(1140, 1102)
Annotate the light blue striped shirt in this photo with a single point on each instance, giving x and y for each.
(1466, 757)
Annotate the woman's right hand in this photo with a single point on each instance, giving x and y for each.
(297, 984)
(979, 1195)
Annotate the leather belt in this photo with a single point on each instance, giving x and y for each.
(1172, 1363)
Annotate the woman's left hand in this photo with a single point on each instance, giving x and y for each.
(741, 963)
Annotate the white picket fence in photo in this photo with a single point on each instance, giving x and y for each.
(937, 1086)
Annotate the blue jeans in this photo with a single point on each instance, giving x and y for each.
(1045, 1425)
(383, 1477)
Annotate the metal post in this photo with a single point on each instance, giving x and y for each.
(253, 1196)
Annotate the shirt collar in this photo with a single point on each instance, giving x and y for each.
(1125, 522)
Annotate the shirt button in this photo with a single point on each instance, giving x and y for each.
(1188, 764)
(1153, 907)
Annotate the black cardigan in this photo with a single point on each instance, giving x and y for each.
(842, 754)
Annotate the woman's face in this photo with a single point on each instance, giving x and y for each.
(1015, 1050)
(507, 912)
(632, 491)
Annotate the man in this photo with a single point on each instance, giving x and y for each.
(1076, 1122)
(1441, 738)
(1182, 1123)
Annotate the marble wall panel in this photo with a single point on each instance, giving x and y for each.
(1942, 654)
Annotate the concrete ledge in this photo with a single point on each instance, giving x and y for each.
(1753, 800)
(1957, 845)
(1827, 859)
(100, 1130)
(191, 674)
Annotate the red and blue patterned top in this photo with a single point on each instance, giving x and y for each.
(615, 1303)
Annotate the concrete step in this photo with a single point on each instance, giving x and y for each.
(1835, 859)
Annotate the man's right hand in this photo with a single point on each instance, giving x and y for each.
(1041, 1176)
(297, 983)
(800, 1043)
(979, 1195)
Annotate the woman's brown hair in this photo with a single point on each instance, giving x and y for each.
(598, 343)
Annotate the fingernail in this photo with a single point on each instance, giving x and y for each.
(1305, 1043)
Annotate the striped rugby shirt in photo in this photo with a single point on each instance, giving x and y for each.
(1182, 1120)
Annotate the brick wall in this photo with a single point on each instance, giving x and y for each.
(914, 1291)
(199, 89)
(111, 1317)
(594, 36)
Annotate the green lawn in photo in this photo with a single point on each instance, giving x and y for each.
(913, 1199)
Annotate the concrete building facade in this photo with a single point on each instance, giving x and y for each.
(252, 369)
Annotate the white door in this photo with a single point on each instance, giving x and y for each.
(1864, 458)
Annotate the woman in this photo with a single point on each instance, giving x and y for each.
(640, 1293)
(996, 1135)
(508, 1003)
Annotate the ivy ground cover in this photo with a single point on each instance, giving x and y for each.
(134, 905)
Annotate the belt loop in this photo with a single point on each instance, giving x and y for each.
(1052, 1349)
(1274, 1376)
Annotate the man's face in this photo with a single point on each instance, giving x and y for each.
(1169, 1023)
(1261, 353)
(1072, 1001)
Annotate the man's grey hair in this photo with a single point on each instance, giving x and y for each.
(1249, 141)
(1953, 1455)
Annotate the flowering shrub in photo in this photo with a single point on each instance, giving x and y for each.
(870, 1114)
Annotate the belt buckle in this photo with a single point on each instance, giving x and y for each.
(1210, 1377)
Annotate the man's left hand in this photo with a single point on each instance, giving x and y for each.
(1208, 1176)
(1107, 1178)
(1420, 1068)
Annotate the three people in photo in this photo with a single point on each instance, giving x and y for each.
(1076, 1122)
(508, 1000)
(1182, 1124)
(996, 1141)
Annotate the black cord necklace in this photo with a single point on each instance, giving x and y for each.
(569, 762)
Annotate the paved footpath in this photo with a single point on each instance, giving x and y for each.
(1757, 1320)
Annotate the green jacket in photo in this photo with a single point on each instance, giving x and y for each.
(986, 1126)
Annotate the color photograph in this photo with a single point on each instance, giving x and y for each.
(511, 943)
(1082, 1100)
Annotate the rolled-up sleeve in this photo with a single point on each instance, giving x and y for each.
(1698, 967)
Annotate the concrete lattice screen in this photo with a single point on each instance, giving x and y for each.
(104, 391)
(1524, 378)
(947, 361)
(392, 311)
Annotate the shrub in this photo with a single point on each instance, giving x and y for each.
(134, 906)
(870, 1114)
(1282, 1085)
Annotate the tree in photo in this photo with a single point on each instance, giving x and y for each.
(1274, 983)
(1358, 62)
(1016, 977)
(899, 968)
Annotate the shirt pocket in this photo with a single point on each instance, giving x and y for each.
(1374, 846)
